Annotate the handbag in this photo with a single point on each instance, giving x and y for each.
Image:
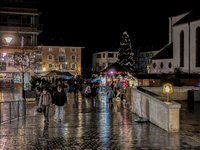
(39, 110)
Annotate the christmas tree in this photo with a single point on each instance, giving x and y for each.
(125, 55)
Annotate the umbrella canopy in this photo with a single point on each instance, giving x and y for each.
(115, 68)
(54, 73)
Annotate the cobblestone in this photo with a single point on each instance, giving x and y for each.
(96, 125)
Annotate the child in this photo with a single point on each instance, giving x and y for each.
(110, 94)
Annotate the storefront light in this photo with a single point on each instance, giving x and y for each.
(44, 69)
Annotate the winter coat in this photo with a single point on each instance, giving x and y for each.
(93, 91)
(45, 99)
(75, 87)
(122, 91)
(59, 98)
(110, 93)
(84, 87)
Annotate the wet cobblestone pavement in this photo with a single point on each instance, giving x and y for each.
(96, 125)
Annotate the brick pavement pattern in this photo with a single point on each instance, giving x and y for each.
(93, 125)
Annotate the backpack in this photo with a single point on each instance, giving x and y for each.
(88, 89)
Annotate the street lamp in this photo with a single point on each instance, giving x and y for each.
(8, 39)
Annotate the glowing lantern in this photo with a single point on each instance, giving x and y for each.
(167, 88)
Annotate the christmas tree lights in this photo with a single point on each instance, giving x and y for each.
(126, 54)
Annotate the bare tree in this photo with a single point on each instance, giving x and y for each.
(24, 61)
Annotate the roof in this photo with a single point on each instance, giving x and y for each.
(116, 67)
(146, 76)
(187, 76)
(165, 53)
(191, 16)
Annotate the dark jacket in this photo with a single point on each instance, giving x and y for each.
(93, 91)
(75, 87)
(59, 99)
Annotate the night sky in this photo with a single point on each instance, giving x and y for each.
(99, 26)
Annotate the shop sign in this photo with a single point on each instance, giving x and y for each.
(2, 68)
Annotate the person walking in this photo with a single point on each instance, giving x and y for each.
(84, 85)
(122, 92)
(93, 91)
(44, 103)
(110, 94)
(75, 88)
(88, 90)
(59, 100)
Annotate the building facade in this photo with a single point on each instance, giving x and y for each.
(101, 60)
(21, 24)
(61, 58)
(145, 63)
(183, 49)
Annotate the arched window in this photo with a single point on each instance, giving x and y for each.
(170, 65)
(198, 47)
(154, 65)
(182, 49)
(161, 65)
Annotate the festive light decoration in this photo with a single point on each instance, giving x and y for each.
(125, 55)
(167, 88)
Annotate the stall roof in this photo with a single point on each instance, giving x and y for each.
(115, 67)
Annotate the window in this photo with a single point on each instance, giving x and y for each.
(61, 58)
(98, 55)
(73, 57)
(50, 49)
(73, 49)
(61, 51)
(110, 55)
(103, 55)
(49, 65)
(97, 64)
(116, 54)
(170, 65)
(73, 65)
(161, 65)
(198, 47)
(63, 66)
(50, 57)
(182, 49)
(154, 65)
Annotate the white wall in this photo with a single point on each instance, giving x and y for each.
(165, 68)
(176, 46)
(193, 26)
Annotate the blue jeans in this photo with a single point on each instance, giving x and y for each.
(58, 112)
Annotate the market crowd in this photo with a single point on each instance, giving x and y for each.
(55, 91)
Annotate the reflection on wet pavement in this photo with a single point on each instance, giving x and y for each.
(94, 125)
(7, 94)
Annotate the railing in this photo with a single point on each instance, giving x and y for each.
(12, 110)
